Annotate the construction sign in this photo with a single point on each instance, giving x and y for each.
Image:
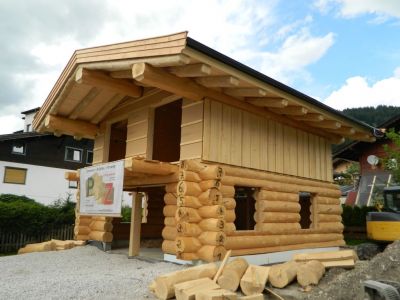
(101, 188)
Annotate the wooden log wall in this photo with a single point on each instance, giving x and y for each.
(199, 212)
(191, 129)
(277, 213)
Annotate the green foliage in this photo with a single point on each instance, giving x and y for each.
(19, 214)
(348, 177)
(371, 115)
(126, 214)
(392, 159)
(355, 215)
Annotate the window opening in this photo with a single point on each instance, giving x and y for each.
(19, 149)
(245, 208)
(167, 132)
(73, 154)
(305, 209)
(118, 136)
(14, 175)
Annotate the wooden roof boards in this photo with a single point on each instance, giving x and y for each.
(96, 80)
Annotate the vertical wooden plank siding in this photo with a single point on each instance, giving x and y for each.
(98, 148)
(191, 129)
(237, 137)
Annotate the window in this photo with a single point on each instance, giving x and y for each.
(89, 157)
(72, 184)
(14, 175)
(73, 154)
(19, 148)
(305, 209)
(245, 208)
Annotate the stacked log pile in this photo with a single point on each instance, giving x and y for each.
(52, 245)
(199, 213)
(207, 282)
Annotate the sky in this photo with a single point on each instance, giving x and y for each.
(345, 53)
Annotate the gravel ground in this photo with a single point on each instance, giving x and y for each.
(79, 273)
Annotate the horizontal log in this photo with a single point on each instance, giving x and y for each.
(330, 227)
(280, 186)
(171, 188)
(264, 241)
(101, 226)
(326, 256)
(211, 172)
(81, 237)
(252, 251)
(229, 228)
(169, 233)
(170, 221)
(170, 199)
(327, 200)
(280, 228)
(327, 218)
(277, 206)
(67, 126)
(150, 167)
(187, 244)
(212, 224)
(81, 230)
(216, 238)
(230, 215)
(211, 253)
(211, 197)
(168, 247)
(255, 174)
(185, 175)
(164, 285)
(208, 184)
(276, 217)
(227, 191)
(187, 188)
(329, 209)
(192, 165)
(188, 229)
(187, 256)
(104, 219)
(106, 237)
(170, 210)
(212, 211)
(188, 201)
(83, 221)
(346, 263)
(229, 203)
(263, 194)
(187, 214)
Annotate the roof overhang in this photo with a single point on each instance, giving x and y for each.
(96, 81)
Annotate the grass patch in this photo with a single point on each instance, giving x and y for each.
(355, 242)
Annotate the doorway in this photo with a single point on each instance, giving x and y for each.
(117, 147)
(167, 132)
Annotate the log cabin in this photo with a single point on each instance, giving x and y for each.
(230, 159)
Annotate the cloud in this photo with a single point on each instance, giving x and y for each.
(35, 51)
(382, 9)
(288, 63)
(357, 92)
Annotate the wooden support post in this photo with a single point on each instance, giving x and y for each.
(134, 235)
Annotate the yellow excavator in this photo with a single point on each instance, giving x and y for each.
(384, 226)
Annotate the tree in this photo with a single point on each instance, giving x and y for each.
(392, 159)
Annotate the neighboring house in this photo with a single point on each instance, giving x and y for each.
(33, 164)
(229, 158)
(373, 176)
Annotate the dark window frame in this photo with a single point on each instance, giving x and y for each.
(306, 222)
(14, 168)
(72, 160)
(87, 157)
(16, 145)
(72, 184)
(253, 209)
